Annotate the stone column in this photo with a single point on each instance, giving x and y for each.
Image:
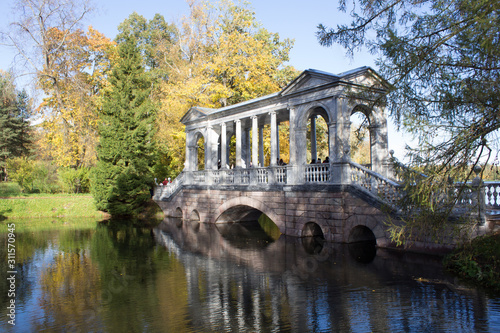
(245, 147)
(261, 146)
(255, 141)
(274, 140)
(293, 170)
(314, 149)
(332, 133)
(379, 150)
(278, 140)
(223, 146)
(188, 160)
(192, 158)
(238, 143)
(292, 135)
(208, 149)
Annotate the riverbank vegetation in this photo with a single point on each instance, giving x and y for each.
(478, 262)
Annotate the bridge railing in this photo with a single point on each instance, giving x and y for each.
(166, 191)
(317, 173)
(492, 195)
(374, 183)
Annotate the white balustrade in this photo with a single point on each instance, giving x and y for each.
(317, 173)
(262, 176)
(492, 195)
(371, 181)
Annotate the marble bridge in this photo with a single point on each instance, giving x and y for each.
(254, 158)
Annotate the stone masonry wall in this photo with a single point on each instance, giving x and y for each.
(335, 211)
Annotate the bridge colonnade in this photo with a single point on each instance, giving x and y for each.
(313, 94)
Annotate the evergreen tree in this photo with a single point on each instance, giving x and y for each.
(122, 176)
(14, 126)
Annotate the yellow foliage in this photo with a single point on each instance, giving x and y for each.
(73, 80)
(216, 62)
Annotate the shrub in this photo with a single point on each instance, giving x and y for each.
(34, 176)
(478, 261)
(75, 180)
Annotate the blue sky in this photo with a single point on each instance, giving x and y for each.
(291, 19)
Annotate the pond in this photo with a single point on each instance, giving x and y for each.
(191, 277)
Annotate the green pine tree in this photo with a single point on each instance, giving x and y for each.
(122, 176)
(14, 126)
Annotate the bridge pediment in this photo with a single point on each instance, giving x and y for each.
(312, 78)
(309, 79)
(195, 114)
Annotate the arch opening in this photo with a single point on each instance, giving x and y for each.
(360, 137)
(176, 217)
(361, 233)
(362, 244)
(245, 226)
(313, 239)
(317, 136)
(194, 216)
(200, 152)
(312, 229)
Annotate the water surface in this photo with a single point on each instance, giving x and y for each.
(190, 277)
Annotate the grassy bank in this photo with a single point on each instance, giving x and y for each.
(49, 205)
(478, 262)
(44, 223)
(14, 204)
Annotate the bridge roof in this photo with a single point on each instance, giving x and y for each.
(308, 80)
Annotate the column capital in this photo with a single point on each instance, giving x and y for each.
(272, 112)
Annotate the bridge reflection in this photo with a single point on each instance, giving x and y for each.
(237, 282)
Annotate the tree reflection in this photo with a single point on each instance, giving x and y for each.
(138, 279)
(70, 292)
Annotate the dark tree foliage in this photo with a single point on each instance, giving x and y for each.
(442, 59)
(122, 176)
(14, 126)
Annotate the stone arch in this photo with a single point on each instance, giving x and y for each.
(178, 213)
(194, 216)
(250, 204)
(312, 229)
(195, 135)
(377, 127)
(359, 222)
(308, 110)
(304, 113)
(361, 233)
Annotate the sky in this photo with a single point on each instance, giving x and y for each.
(290, 18)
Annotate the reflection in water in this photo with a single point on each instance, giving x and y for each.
(309, 285)
(363, 252)
(189, 277)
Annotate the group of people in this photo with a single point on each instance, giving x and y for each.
(327, 160)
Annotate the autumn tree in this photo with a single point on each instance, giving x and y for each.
(67, 64)
(14, 125)
(122, 177)
(74, 86)
(443, 63)
(221, 56)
